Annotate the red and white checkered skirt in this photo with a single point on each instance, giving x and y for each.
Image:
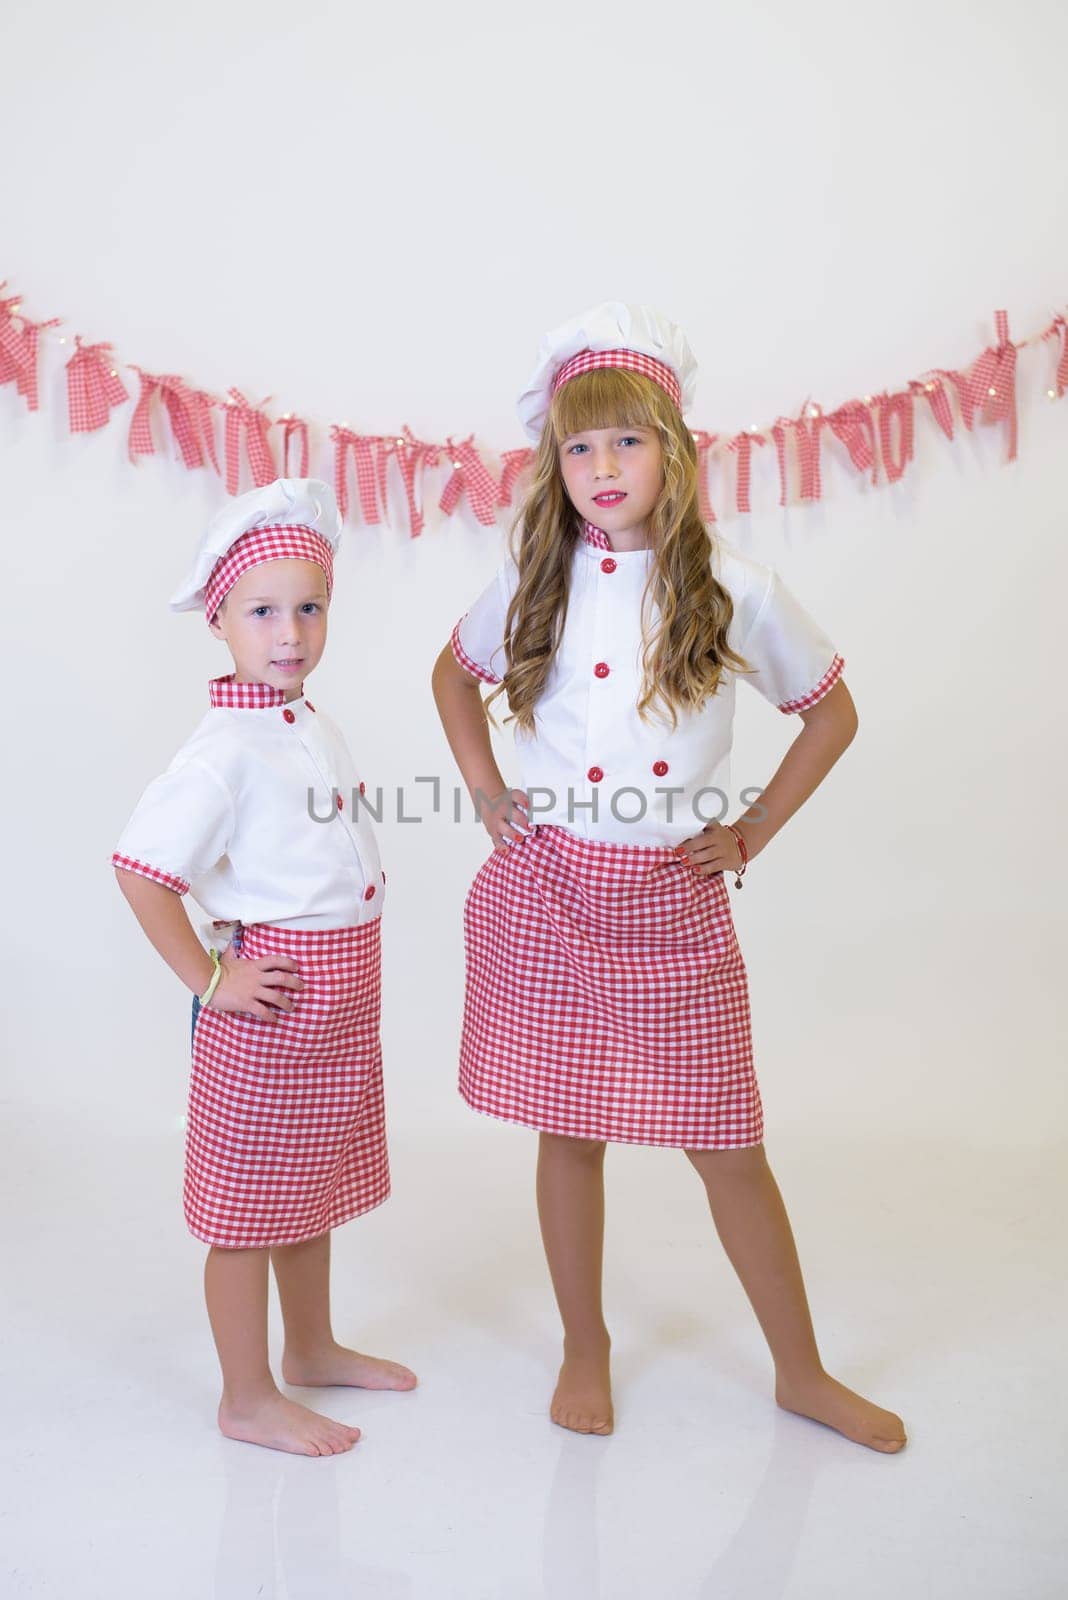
(606, 996)
(286, 1133)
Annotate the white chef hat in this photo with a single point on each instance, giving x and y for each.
(609, 335)
(291, 518)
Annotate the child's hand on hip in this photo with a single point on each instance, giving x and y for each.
(714, 849)
(262, 988)
(506, 817)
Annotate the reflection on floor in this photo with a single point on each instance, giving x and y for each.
(931, 1278)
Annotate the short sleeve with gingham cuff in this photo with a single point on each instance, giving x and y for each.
(795, 663)
(180, 829)
(478, 638)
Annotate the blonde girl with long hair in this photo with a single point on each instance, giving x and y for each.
(606, 995)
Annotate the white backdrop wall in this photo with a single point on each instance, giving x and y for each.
(371, 216)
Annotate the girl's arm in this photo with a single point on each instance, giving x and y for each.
(458, 697)
(255, 988)
(829, 728)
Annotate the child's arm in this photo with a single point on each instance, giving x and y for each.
(829, 728)
(458, 697)
(254, 987)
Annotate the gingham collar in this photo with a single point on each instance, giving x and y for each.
(597, 537)
(245, 696)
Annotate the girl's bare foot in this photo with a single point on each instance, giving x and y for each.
(282, 1424)
(336, 1365)
(583, 1398)
(824, 1399)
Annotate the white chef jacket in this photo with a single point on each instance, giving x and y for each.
(593, 765)
(229, 819)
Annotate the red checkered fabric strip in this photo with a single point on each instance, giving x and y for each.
(277, 543)
(606, 996)
(631, 360)
(934, 392)
(182, 410)
(465, 660)
(243, 696)
(513, 464)
(19, 338)
(472, 477)
(365, 448)
(143, 870)
(291, 425)
(895, 456)
(597, 537)
(704, 443)
(413, 457)
(993, 381)
(806, 435)
(286, 1133)
(854, 425)
(249, 422)
(742, 444)
(1058, 329)
(94, 387)
(828, 681)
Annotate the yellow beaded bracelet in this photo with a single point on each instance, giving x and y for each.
(216, 975)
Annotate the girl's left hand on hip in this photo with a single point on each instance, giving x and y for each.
(714, 849)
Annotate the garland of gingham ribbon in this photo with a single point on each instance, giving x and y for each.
(876, 432)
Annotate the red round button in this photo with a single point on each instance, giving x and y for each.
(602, 669)
(608, 565)
(660, 767)
(289, 715)
(363, 788)
(595, 774)
(340, 803)
(369, 892)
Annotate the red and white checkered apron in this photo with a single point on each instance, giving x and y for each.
(606, 996)
(286, 1133)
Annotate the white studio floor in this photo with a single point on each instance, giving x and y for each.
(932, 1279)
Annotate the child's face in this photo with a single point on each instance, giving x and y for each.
(274, 621)
(613, 477)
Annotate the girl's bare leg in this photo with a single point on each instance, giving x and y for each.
(235, 1287)
(752, 1224)
(312, 1356)
(571, 1212)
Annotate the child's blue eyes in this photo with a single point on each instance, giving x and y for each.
(260, 611)
(627, 439)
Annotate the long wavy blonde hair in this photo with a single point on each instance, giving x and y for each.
(685, 652)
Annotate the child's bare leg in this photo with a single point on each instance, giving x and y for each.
(571, 1212)
(754, 1228)
(311, 1355)
(235, 1287)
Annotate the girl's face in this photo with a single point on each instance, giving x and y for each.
(613, 478)
(274, 621)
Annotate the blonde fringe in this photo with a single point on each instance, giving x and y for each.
(684, 655)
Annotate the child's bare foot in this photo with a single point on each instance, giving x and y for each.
(824, 1399)
(583, 1398)
(282, 1424)
(336, 1365)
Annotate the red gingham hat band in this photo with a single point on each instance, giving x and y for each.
(284, 542)
(632, 360)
